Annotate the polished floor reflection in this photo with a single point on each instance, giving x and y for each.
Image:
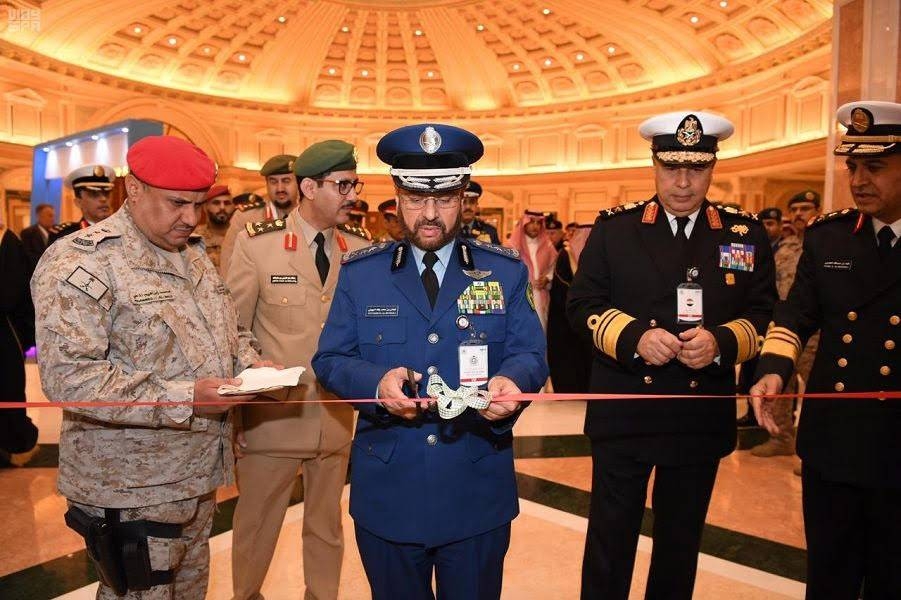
(753, 545)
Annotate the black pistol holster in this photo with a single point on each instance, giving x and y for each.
(119, 550)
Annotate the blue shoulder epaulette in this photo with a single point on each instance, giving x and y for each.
(832, 216)
(364, 252)
(260, 227)
(502, 250)
(622, 209)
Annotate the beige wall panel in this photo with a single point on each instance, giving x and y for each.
(25, 122)
(589, 149)
(811, 117)
(634, 194)
(544, 150)
(635, 147)
(540, 200)
(766, 119)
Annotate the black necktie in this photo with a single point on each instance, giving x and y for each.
(885, 237)
(429, 279)
(321, 258)
(681, 223)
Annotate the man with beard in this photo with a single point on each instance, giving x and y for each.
(531, 240)
(432, 490)
(393, 230)
(91, 185)
(282, 276)
(473, 227)
(219, 208)
(281, 186)
(848, 285)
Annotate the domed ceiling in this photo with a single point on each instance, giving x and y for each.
(432, 55)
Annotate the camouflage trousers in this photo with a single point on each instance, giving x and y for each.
(188, 556)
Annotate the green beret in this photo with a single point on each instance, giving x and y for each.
(323, 157)
(280, 164)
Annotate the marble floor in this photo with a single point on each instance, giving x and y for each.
(753, 545)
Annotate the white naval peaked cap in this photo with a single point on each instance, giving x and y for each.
(874, 128)
(92, 177)
(686, 137)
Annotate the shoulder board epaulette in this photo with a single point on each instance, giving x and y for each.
(846, 213)
(260, 227)
(251, 205)
(64, 226)
(90, 238)
(502, 250)
(364, 252)
(622, 209)
(736, 212)
(357, 231)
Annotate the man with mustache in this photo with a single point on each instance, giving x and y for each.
(281, 186)
(432, 495)
(91, 185)
(219, 209)
(282, 276)
(673, 292)
(129, 312)
(848, 286)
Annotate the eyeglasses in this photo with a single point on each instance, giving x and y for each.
(419, 202)
(345, 185)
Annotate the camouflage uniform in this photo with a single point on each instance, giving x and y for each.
(117, 322)
(212, 239)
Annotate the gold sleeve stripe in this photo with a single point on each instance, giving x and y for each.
(745, 337)
(782, 342)
(607, 328)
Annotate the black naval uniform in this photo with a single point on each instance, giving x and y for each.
(851, 448)
(569, 357)
(479, 230)
(626, 284)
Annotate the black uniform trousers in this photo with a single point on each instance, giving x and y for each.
(865, 522)
(679, 503)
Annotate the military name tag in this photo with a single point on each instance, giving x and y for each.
(282, 279)
(482, 298)
(738, 257)
(152, 296)
(473, 364)
(377, 312)
(837, 265)
(87, 283)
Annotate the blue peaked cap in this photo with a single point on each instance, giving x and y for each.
(430, 157)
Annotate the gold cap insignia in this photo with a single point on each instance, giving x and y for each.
(430, 140)
(861, 120)
(690, 131)
(291, 165)
(99, 171)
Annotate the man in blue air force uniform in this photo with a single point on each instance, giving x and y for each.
(428, 493)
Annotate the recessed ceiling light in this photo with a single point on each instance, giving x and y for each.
(611, 49)
(694, 19)
(70, 144)
(548, 62)
(282, 19)
(365, 72)
(516, 66)
(46, 148)
(480, 27)
(417, 32)
(545, 11)
(138, 29)
(124, 130)
(580, 56)
(242, 57)
(430, 74)
(95, 137)
(173, 40)
(332, 70)
(723, 4)
(345, 29)
(207, 49)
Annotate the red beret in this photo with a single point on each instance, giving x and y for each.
(171, 163)
(217, 190)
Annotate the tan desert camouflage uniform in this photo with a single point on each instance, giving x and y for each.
(116, 321)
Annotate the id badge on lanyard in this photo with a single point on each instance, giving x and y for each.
(690, 300)
(473, 357)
